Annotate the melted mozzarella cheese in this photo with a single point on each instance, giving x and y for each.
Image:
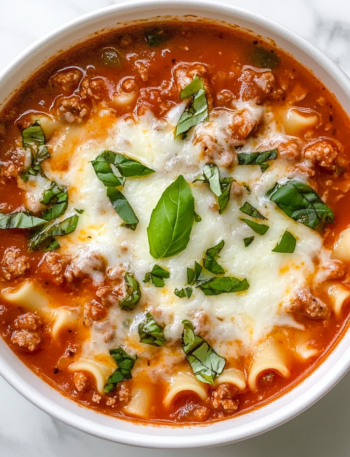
(233, 323)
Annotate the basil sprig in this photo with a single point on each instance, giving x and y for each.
(257, 158)
(44, 239)
(57, 197)
(223, 285)
(197, 110)
(260, 229)
(249, 209)
(20, 220)
(33, 138)
(210, 263)
(125, 364)
(157, 276)
(286, 244)
(112, 169)
(171, 221)
(150, 332)
(206, 364)
(133, 293)
(185, 292)
(220, 187)
(300, 202)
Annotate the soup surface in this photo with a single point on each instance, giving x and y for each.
(175, 240)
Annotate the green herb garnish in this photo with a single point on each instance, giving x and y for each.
(125, 364)
(20, 220)
(185, 292)
(210, 263)
(44, 239)
(248, 241)
(223, 285)
(150, 332)
(286, 244)
(57, 197)
(249, 209)
(157, 276)
(260, 229)
(133, 293)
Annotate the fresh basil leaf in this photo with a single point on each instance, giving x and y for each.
(125, 364)
(43, 239)
(185, 292)
(171, 221)
(256, 158)
(79, 211)
(286, 244)
(223, 285)
(196, 111)
(192, 88)
(263, 58)
(224, 198)
(249, 209)
(248, 241)
(122, 207)
(156, 37)
(264, 166)
(133, 293)
(57, 197)
(197, 217)
(206, 364)
(300, 202)
(23, 220)
(260, 229)
(150, 332)
(33, 138)
(210, 263)
(111, 177)
(193, 274)
(157, 276)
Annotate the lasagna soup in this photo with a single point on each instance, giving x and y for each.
(175, 233)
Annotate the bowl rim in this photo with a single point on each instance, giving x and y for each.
(340, 367)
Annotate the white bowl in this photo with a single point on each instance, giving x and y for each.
(245, 426)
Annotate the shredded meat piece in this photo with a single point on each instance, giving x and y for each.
(129, 85)
(14, 264)
(142, 66)
(125, 41)
(72, 110)
(53, 266)
(256, 86)
(313, 307)
(87, 263)
(93, 88)
(25, 339)
(290, 150)
(236, 190)
(115, 273)
(223, 398)
(123, 393)
(79, 380)
(27, 321)
(110, 295)
(111, 401)
(334, 269)
(96, 398)
(93, 311)
(267, 379)
(108, 335)
(322, 152)
(201, 413)
(15, 165)
(67, 79)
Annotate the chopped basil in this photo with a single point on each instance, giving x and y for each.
(156, 37)
(248, 241)
(150, 332)
(110, 58)
(260, 229)
(256, 158)
(57, 197)
(79, 211)
(185, 292)
(157, 276)
(300, 202)
(33, 138)
(263, 58)
(197, 217)
(122, 207)
(133, 293)
(171, 221)
(44, 239)
(206, 364)
(221, 187)
(197, 110)
(286, 244)
(125, 364)
(22, 220)
(223, 285)
(248, 209)
(264, 166)
(193, 274)
(210, 263)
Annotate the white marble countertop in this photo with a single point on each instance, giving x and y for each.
(321, 431)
